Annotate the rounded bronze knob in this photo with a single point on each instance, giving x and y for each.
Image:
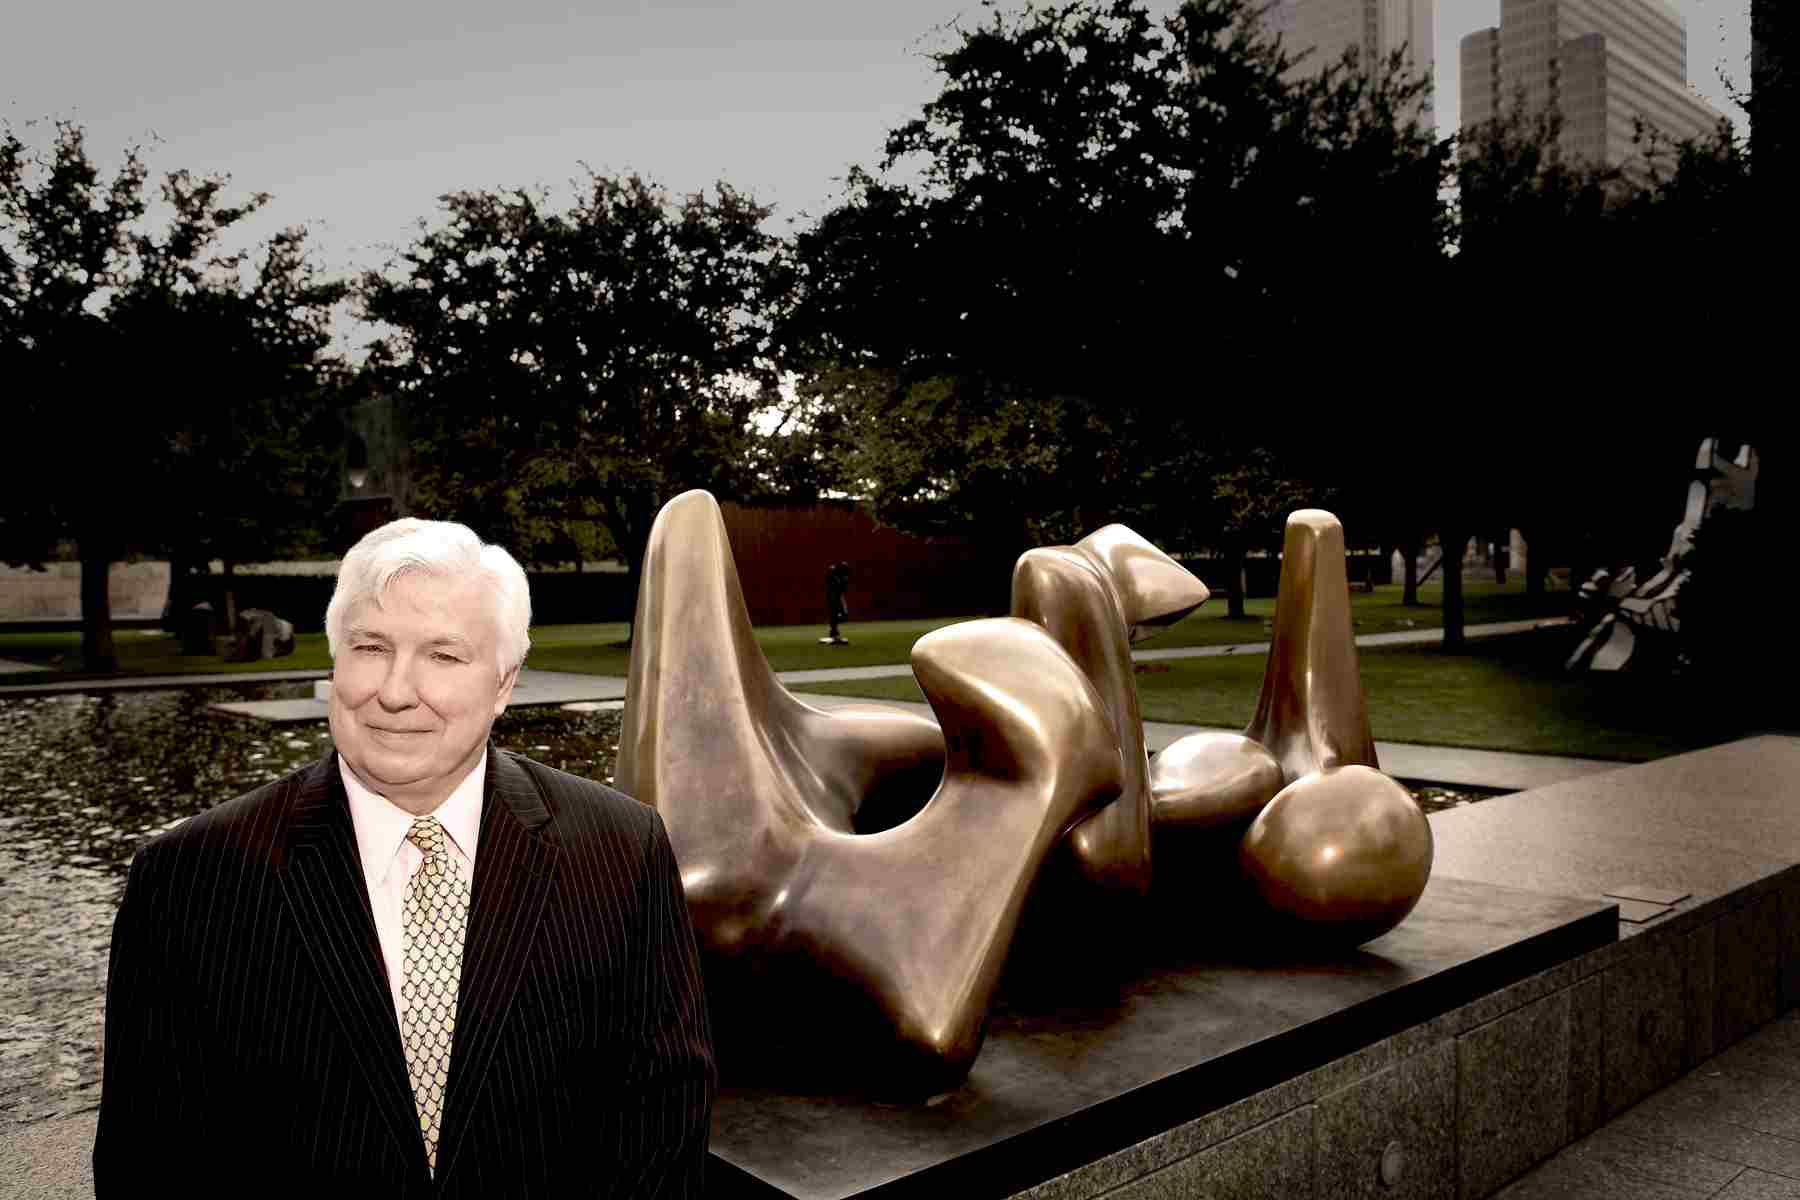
(1393, 1164)
(1346, 851)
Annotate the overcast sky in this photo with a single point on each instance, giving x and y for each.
(357, 115)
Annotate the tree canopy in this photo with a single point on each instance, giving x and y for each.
(171, 398)
(582, 364)
(1119, 235)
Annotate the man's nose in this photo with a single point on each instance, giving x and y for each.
(397, 688)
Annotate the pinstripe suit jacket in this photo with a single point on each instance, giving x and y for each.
(251, 1042)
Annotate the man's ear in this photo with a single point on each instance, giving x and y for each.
(506, 690)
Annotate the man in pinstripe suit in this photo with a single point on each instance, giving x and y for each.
(421, 966)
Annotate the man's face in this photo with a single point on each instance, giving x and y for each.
(415, 688)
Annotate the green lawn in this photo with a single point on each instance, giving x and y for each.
(591, 649)
(1505, 694)
(600, 649)
(1379, 611)
(146, 652)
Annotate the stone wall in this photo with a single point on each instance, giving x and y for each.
(138, 590)
(1455, 1108)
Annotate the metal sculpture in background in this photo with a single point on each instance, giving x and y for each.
(1625, 615)
(858, 875)
(837, 609)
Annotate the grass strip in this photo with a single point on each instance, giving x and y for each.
(601, 649)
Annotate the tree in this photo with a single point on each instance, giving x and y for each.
(1550, 246)
(580, 365)
(154, 385)
(1076, 315)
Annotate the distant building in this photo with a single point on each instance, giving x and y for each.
(1376, 28)
(1772, 27)
(1600, 63)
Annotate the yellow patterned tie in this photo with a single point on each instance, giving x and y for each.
(435, 913)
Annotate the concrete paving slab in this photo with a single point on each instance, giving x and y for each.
(1499, 769)
(534, 688)
(1709, 823)
(275, 712)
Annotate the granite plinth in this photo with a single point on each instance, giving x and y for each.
(1703, 827)
(1057, 1087)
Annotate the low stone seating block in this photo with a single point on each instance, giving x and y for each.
(1186, 1056)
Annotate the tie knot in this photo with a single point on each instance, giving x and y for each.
(428, 836)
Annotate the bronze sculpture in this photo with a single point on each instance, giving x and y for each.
(1624, 614)
(861, 873)
(1095, 598)
(761, 795)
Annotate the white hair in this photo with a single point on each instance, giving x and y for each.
(440, 548)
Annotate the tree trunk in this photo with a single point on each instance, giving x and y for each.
(629, 517)
(1537, 567)
(1410, 597)
(634, 572)
(1239, 574)
(97, 651)
(230, 602)
(1453, 545)
(184, 592)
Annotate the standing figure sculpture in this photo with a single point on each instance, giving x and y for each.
(837, 587)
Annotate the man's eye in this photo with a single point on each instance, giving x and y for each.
(446, 656)
(371, 648)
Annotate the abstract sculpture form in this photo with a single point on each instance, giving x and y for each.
(857, 876)
(1339, 849)
(903, 929)
(1095, 598)
(1623, 613)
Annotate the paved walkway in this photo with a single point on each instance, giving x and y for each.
(1404, 637)
(535, 688)
(1408, 637)
(1446, 765)
(1728, 1130)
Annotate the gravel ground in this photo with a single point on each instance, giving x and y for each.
(84, 779)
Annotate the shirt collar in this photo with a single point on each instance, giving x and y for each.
(381, 825)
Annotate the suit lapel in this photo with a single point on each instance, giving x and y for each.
(514, 867)
(322, 877)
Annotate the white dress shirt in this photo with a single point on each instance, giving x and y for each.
(389, 859)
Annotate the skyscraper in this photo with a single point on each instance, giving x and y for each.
(1600, 63)
(1375, 27)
